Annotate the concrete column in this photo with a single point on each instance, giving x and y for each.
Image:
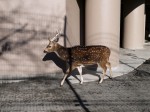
(134, 24)
(73, 23)
(103, 25)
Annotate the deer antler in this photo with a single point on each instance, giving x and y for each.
(57, 36)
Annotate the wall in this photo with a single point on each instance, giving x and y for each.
(25, 26)
(72, 22)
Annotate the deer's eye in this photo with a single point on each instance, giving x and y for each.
(49, 46)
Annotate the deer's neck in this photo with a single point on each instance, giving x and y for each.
(62, 52)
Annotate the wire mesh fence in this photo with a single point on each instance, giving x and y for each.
(23, 36)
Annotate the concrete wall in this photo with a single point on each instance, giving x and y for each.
(73, 23)
(25, 26)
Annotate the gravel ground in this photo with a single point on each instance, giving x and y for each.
(127, 93)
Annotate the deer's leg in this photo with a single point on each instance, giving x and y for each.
(104, 67)
(80, 72)
(109, 66)
(65, 76)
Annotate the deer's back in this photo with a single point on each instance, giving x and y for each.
(89, 54)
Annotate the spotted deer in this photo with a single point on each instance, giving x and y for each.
(78, 56)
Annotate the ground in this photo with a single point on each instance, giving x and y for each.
(127, 93)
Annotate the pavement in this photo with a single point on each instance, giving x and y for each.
(128, 92)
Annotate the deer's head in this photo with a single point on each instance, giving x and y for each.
(53, 45)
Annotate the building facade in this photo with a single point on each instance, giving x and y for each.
(24, 32)
(117, 23)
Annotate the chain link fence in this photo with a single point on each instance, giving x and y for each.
(23, 36)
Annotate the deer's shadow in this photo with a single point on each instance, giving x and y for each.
(65, 66)
(58, 61)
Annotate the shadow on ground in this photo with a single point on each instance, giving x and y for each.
(126, 93)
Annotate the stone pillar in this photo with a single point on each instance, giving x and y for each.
(72, 23)
(103, 25)
(134, 24)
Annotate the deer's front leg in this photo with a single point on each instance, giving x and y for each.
(66, 74)
(64, 78)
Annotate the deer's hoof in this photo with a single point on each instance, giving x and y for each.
(111, 77)
(61, 85)
(81, 83)
(100, 81)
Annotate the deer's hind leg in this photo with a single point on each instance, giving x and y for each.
(109, 66)
(104, 67)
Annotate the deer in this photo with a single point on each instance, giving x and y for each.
(80, 56)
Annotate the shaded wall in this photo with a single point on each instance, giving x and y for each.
(72, 23)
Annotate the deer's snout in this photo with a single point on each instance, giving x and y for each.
(45, 51)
